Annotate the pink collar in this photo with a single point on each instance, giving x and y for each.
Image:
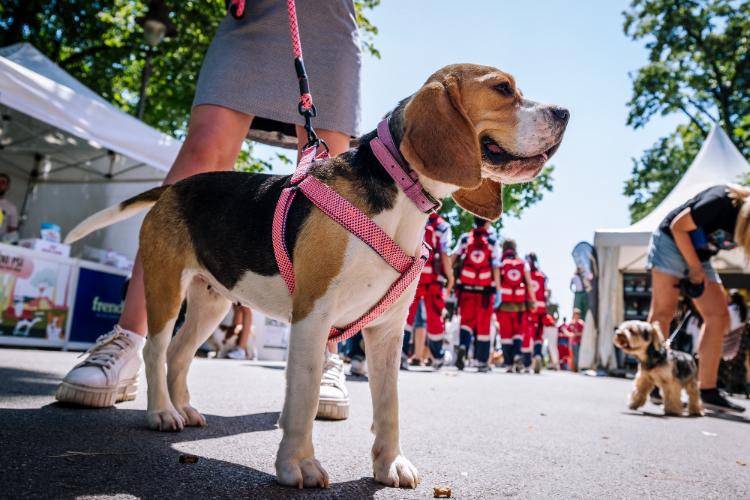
(390, 158)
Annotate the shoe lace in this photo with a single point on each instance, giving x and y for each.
(107, 349)
(332, 372)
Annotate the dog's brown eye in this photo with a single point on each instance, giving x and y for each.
(504, 88)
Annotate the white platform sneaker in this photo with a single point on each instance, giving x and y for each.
(334, 398)
(108, 375)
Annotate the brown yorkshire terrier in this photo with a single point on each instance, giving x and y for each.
(659, 365)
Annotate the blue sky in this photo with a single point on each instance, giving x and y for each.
(568, 53)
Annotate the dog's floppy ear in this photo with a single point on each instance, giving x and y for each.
(486, 200)
(657, 339)
(439, 139)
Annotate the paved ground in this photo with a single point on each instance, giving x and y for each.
(557, 435)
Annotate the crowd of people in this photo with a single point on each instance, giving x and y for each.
(479, 303)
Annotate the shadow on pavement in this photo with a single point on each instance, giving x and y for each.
(21, 382)
(60, 451)
(65, 452)
(730, 417)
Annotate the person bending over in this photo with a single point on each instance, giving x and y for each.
(679, 255)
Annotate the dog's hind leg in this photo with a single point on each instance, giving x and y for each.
(695, 405)
(165, 251)
(383, 344)
(296, 464)
(205, 310)
(642, 386)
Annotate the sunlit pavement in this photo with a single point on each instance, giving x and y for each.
(555, 435)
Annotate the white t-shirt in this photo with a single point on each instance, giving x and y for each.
(10, 215)
(734, 317)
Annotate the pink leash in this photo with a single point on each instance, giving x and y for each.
(336, 206)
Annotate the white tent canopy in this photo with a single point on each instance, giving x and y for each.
(35, 86)
(624, 249)
(68, 151)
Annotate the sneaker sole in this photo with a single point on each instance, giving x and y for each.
(333, 410)
(97, 397)
(721, 409)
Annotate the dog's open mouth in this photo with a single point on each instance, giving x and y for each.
(496, 155)
(622, 341)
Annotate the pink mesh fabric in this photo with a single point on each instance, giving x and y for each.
(397, 289)
(339, 209)
(278, 230)
(353, 220)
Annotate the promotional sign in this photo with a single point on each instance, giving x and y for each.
(272, 337)
(98, 304)
(33, 296)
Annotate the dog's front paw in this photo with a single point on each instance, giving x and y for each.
(696, 412)
(636, 400)
(307, 473)
(397, 472)
(191, 416)
(165, 420)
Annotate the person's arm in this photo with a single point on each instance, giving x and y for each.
(456, 251)
(448, 270)
(530, 288)
(681, 226)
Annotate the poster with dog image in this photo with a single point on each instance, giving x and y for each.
(33, 296)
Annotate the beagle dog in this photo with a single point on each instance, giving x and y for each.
(465, 132)
(658, 365)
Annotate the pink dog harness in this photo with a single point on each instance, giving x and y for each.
(356, 222)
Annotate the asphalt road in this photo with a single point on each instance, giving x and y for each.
(555, 435)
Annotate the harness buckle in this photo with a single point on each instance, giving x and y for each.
(436, 204)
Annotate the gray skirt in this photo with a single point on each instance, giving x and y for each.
(249, 68)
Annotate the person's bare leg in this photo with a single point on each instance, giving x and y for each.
(712, 306)
(214, 139)
(247, 327)
(420, 344)
(664, 298)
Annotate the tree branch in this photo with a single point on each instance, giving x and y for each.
(692, 118)
(700, 108)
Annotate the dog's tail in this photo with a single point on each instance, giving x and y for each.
(117, 213)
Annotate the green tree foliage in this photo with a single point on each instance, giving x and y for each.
(699, 67)
(101, 44)
(516, 198)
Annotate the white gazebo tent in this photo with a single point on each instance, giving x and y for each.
(69, 152)
(624, 250)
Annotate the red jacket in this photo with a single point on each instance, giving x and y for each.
(539, 291)
(512, 282)
(433, 268)
(477, 260)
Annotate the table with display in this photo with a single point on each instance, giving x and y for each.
(49, 300)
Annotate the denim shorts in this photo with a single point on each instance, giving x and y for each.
(420, 319)
(664, 256)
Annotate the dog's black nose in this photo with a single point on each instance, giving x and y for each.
(561, 114)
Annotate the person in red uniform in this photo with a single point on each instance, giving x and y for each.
(435, 282)
(575, 330)
(532, 341)
(477, 282)
(563, 345)
(515, 303)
